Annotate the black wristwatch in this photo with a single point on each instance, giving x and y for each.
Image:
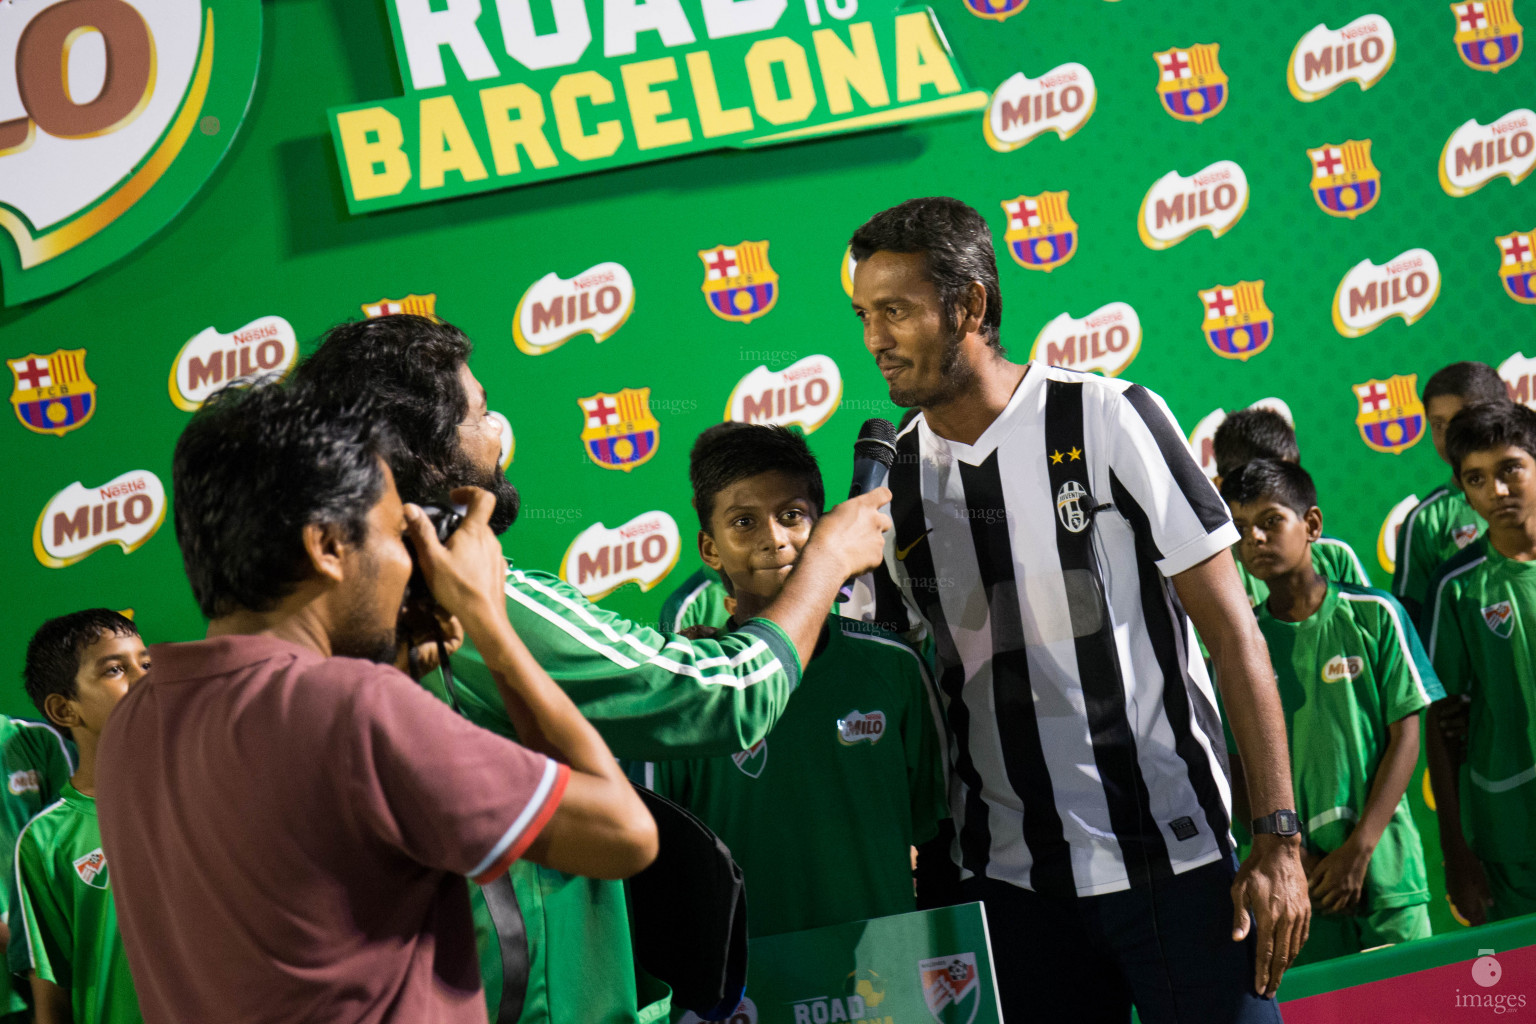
(1281, 823)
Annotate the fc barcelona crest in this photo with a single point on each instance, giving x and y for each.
(620, 432)
(53, 394)
(739, 283)
(1517, 265)
(951, 987)
(1041, 233)
(1237, 323)
(416, 305)
(1190, 82)
(1487, 35)
(1344, 181)
(1391, 417)
(995, 10)
(1500, 619)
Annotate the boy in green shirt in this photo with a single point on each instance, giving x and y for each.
(1443, 524)
(1482, 613)
(1352, 678)
(855, 758)
(64, 928)
(1250, 434)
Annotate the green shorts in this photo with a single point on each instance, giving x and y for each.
(1512, 884)
(1336, 935)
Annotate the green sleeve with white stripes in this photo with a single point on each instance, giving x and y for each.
(652, 695)
(1408, 683)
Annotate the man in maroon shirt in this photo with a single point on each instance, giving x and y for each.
(286, 818)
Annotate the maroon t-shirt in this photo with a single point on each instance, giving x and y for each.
(288, 834)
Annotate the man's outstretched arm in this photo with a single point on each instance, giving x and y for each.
(1271, 883)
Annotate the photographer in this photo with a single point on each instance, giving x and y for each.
(285, 819)
(651, 695)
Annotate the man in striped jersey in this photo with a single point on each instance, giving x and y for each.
(1055, 537)
(651, 695)
(1444, 523)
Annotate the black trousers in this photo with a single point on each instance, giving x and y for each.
(1165, 947)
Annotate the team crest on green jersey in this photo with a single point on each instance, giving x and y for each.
(1500, 619)
(753, 760)
(951, 987)
(92, 869)
(1340, 667)
(1464, 534)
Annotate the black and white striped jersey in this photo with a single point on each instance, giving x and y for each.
(1087, 753)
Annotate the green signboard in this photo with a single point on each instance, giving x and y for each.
(120, 111)
(523, 92)
(933, 965)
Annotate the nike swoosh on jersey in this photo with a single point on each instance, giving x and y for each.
(902, 553)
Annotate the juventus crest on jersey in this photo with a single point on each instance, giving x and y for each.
(1087, 748)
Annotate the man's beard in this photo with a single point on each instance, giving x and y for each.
(462, 474)
(955, 377)
(356, 634)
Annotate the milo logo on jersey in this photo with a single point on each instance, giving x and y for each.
(1475, 154)
(1023, 108)
(1500, 619)
(25, 782)
(951, 987)
(858, 727)
(1326, 58)
(739, 282)
(1517, 265)
(1341, 667)
(92, 869)
(1390, 417)
(1202, 440)
(211, 360)
(1519, 373)
(554, 310)
(1237, 323)
(1369, 295)
(601, 560)
(620, 432)
(804, 394)
(1190, 82)
(53, 394)
(1041, 233)
(1487, 35)
(1176, 206)
(1344, 181)
(126, 510)
(753, 760)
(1105, 341)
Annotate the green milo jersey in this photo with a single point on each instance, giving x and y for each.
(1345, 675)
(1438, 528)
(37, 763)
(823, 813)
(700, 601)
(1332, 558)
(1482, 618)
(650, 695)
(65, 927)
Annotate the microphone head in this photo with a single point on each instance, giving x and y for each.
(877, 441)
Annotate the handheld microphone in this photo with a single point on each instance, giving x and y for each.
(873, 454)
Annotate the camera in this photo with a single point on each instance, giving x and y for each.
(417, 619)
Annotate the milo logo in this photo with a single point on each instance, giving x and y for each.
(1340, 668)
(857, 726)
(25, 782)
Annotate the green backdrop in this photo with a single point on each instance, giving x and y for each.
(270, 235)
